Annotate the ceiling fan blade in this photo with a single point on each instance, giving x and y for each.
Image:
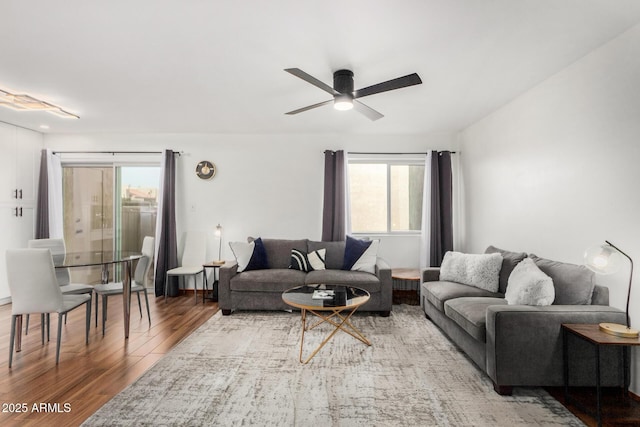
(366, 110)
(310, 79)
(310, 107)
(400, 82)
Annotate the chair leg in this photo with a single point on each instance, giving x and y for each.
(195, 288)
(42, 322)
(97, 297)
(26, 327)
(146, 299)
(88, 325)
(104, 312)
(59, 337)
(48, 318)
(139, 304)
(13, 336)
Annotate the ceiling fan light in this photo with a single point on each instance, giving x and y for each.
(343, 103)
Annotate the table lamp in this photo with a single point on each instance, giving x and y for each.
(218, 234)
(605, 259)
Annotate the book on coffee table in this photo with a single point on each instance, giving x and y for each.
(323, 294)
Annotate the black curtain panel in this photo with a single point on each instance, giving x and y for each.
(333, 215)
(167, 257)
(42, 207)
(441, 226)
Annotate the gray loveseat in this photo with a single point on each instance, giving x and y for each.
(520, 345)
(262, 289)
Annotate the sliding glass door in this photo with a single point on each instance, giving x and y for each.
(108, 208)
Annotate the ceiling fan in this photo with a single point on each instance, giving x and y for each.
(344, 97)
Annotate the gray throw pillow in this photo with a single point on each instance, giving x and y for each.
(509, 262)
(528, 285)
(573, 283)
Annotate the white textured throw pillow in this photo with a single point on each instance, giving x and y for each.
(481, 271)
(528, 285)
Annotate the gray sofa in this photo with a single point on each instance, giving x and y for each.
(262, 289)
(520, 345)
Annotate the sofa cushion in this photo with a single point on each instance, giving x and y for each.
(250, 256)
(479, 270)
(509, 262)
(360, 255)
(335, 252)
(470, 314)
(279, 250)
(271, 280)
(359, 279)
(439, 292)
(528, 285)
(573, 283)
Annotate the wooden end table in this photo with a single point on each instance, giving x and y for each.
(592, 334)
(406, 286)
(216, 274)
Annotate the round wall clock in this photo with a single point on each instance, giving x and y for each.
(205, 170)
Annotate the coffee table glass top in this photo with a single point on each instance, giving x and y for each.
(325, 297)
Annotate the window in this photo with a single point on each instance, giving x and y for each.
(385, 196)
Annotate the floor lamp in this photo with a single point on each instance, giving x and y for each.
(605, 259)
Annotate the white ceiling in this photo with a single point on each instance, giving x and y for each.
(217, 65)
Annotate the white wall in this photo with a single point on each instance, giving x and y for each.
(266, 185)
(558, 169)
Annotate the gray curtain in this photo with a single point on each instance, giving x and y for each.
(42, 207)
(333, 215)
(167, 246)
(441, 226)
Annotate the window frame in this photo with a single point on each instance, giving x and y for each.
(403, 160)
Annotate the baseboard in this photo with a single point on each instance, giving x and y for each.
(5, 301)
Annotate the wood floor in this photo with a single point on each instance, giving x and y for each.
(88, 376)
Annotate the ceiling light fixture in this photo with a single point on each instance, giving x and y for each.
(29, 103)
(343, 102)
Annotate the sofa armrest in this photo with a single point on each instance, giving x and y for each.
(430, 274)
(524, 343)
(383, 272)
(227, 271)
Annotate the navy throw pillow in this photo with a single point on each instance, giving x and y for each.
(354, 249)
(258, 259)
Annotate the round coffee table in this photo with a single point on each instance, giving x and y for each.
(333, 304)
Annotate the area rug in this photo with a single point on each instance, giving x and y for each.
(243, 369)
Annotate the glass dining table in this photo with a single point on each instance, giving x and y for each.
(105, 259)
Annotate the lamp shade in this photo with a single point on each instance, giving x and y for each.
(218, 231)
(603, 259)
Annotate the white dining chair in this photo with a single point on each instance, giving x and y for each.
(58, 252)
(193, 259)
(34, 289)
(138, 284)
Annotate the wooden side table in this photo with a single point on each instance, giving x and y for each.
(406, 286)
(214, 288)
(592, 334)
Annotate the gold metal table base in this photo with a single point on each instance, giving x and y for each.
(343, 324)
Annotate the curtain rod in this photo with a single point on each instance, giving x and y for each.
(179, 153)
(387, 154)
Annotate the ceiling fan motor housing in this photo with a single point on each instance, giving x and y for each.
(343, 82)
